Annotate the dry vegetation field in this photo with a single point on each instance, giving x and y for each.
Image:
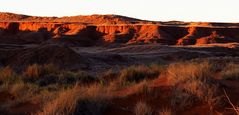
(187, 87)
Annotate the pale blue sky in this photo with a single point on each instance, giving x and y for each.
(159, 10)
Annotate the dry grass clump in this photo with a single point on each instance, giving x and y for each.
(64, 104)
(142, 108)
(78, 100)
(133, 74)
(33, 71)
(231, 71)
(42, 75)
(43, 84)
(192, 82)
(48, 74)
(139, 73)
(7, 75)
(36, 71)
(189, 71)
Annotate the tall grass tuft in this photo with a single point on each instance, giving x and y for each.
(7, 75)
(33, 71)
(192, 82)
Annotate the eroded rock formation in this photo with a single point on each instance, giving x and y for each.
(108, 29)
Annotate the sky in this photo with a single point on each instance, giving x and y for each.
(157, 10)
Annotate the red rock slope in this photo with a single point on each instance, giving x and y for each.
(108, 29)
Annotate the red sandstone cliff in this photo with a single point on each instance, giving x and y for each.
(107, 29)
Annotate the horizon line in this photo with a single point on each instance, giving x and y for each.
(105, 14)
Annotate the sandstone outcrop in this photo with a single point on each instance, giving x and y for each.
(207, 35)
(108, 29)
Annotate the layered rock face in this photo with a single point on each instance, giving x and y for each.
(207, 35)
(109, 29)
(127, 33)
